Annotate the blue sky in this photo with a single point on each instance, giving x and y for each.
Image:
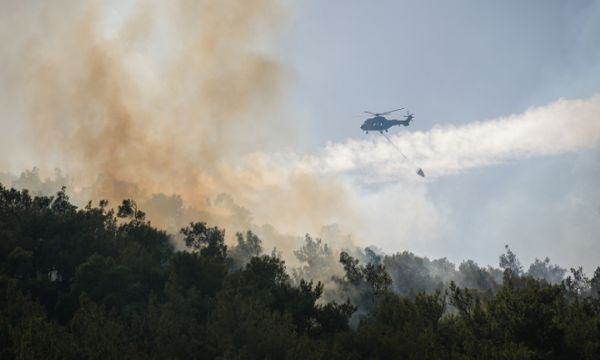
(448, 61)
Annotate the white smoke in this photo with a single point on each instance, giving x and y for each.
(403, 204)
(560, 127)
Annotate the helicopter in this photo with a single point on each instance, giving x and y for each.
(381, 124)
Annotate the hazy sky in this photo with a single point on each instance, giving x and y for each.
(264, 102)
(455, 62)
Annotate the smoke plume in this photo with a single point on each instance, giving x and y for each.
(560, 127)
(139, 98)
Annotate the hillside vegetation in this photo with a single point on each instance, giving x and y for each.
(97, 283)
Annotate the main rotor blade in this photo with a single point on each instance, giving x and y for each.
(368, 112)
(391, 111)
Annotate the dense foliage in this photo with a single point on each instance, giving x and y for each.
(98, 283)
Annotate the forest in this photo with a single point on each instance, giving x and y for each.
(102, 283)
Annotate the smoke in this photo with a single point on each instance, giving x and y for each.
(560, 127)
(155, 113)
(146, 100)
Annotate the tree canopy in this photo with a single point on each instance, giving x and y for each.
(96, 283)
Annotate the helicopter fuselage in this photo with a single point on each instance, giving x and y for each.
(381, 124)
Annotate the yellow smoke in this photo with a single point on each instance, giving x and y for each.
(180, 97)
